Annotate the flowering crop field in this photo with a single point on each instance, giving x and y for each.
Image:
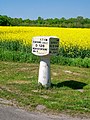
(69, 37)
(15, 44)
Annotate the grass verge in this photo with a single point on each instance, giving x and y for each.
(70, 91)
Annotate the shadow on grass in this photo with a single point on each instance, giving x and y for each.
(70, 83)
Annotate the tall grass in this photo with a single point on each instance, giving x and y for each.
(17, 51)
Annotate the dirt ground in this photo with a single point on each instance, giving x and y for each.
(8, 111)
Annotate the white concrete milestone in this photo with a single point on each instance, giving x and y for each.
(45, 46)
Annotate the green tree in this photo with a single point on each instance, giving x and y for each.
(4, 21)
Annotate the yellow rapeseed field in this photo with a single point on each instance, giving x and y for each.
(68, 36)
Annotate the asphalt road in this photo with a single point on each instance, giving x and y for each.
(13, 113)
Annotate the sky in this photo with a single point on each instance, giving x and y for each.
(32, 9)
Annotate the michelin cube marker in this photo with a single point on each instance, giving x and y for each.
(45, 46)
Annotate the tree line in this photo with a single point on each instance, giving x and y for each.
(78, 22)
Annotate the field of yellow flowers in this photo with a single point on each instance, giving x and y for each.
(15, 44)
(68, 36)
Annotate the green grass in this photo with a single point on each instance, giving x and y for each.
(17, 51)
(69, 93)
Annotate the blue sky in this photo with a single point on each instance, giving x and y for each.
(45, 8)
